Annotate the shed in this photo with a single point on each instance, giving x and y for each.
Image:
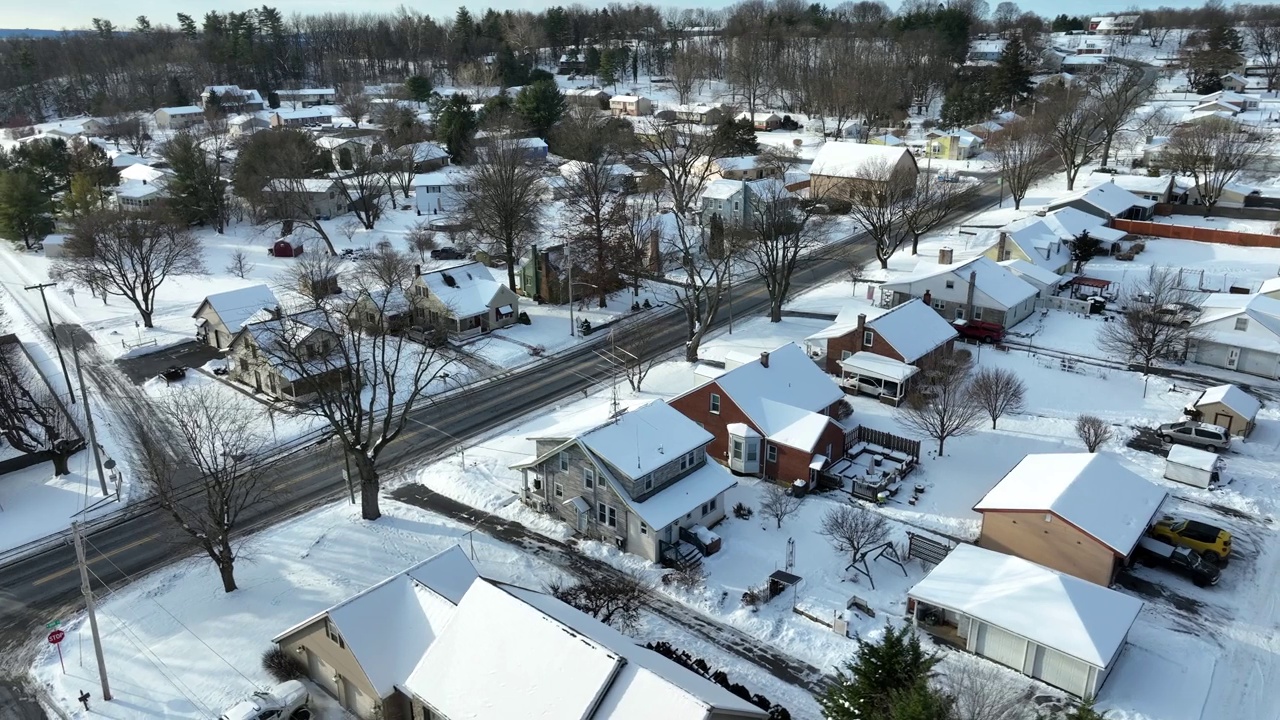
(54, 246)
(1228, 406)
(286, 248)
(1048, 625)
(1192, 466)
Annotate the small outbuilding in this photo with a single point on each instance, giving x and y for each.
(286, 248)
(1192, 466)
(1228, 406)
(1042, 623)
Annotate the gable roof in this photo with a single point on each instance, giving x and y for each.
(791, 379)
(1092, 491)
(446, 176)
(1070, 615)
(992, 280)
(235, 307)
(645, 438)
(913, 329)
(721, 189)
(1263, 312)
(1108, 197)
(852, 160)
(1069, 223)
(1026, 270)
(1039, 242)
(1241, 402)
(472, 290)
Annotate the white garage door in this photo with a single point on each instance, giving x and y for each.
(322, 673)
(1061, 671)
(1214, 354)
(1256, 362)
(1003, 647)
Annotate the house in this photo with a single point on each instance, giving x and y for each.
(698, 114)
(1084, 64)
(387, 310)
(1233, 102)
(1044, 624)
(1158, 189)
(316, 198)
(1114, 24)
(221, 315)
(1033, 240)
(178, 118)
(849, 171)
(986, 50)
(571, 63)
(1107, 201)
(766, 121)
(630, 105)
(1234, 82)
(1078, 513)
(738, 201)
(439, 191)
(640, 481)
(464, 299)
(774, 415)
(620, 177)
(887, 139)
(305, 117)
(1044, 281)
(953, 144)
(588, 98)
(1070, 224)
(470, 647)
(286, 356)
(1226, 406)
(426, 156)
(1231, 194)
(535, 149)
(986, 129)
(880, 356)
(744, 167)
(307, 97)
(348, 146)
(231, 99)
(247, 125)
(1238, 332)
(979, 289)
(141, 187)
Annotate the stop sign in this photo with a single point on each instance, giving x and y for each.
(56, 636)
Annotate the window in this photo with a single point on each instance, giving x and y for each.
(564, 461)
(332, 632)
(772, 453)
(588, 478)
(607, 515)
(938, 304)
(644, 529)
(737, 449)
(951, 284)
(959, 313)
(715, 404)
(868, 337)
(559, 490)
(977, 313)
(845, 354)
(751, 451)
(648, 482)
(708, 507)
(1242, 323)
(537, 483)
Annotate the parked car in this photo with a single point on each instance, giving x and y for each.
(987, 332)
(286, 701)
(1179, 314)
(173, 373)
(1179, 559)
(447, 253)
(1196, 434)
(1212, 543)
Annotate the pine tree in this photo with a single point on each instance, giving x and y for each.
(1219, 53)
(922, 702)
(26, 211)
(456, 127)
(540, 105)
(1011, 81)
(737, 137)
(869, 682)
(1085, 711)
(418, 87)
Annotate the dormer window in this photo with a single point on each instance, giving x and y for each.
(1242, 323)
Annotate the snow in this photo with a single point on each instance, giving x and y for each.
(791, 379)
(868, 363)
(182, 110)
(685, 495)
(645, 438)
(1192, 457)
(1133, 183)
(472, 291)
(1233, 397)
(1092, 491)
(1069, 223)
(741, 430)
(1263, 313)
(787, 424)
(235, 307)
(720, 189)
(1004, 288)
(1073, 616)
(1111, 199)
(1034, 273)
(850, 160)
(913, 329)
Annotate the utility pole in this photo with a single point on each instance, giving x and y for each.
(88, 601)
(568, 254)
(88, 419)
(54, 334)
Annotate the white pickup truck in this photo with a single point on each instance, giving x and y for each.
(286, 701)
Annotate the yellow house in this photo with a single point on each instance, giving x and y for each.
(952, 145)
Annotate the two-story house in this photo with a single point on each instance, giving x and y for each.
(980, 289)
(231, 99)
(463, 299)
(221, 315)
(640, 480)
(307, 97)
(440, 191)
(737, 201)
(630, 105)
(287, 356)
(861, 172)
(773, 416)
(1239, 332)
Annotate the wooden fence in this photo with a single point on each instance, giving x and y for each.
(903, 445)
(1198, 234)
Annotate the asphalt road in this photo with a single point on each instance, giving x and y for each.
(40, 587)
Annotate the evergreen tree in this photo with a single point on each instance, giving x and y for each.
(187, 26)
(591, 60)
(1066, 23)
(540, 105)
(922, 702)
(512, 71)
(197, 192)
(84, 197)
(418, 87)
(456, 127)
(26, 210)
(497, 106)
(49, 161)
(1011, 81)
(1216, 56)
(969, 100)
(866, 687)
(177, 95)
(635, 67)
(1084, 711)
(737, 137)
(464, 31)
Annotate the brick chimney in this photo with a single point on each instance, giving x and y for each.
(945, 256)
(927, 298)
(1002, 247)
(968, 302)
(862, 326)
(417, 271)
(764, 359)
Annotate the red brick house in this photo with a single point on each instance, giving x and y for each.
(771, 416)
(879, 356)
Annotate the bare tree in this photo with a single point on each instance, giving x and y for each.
(422, 239)
(314, 276)
(1093, 431)
(502, 200)
(778, 503)
(365, 188)
(942, 407)
(688, 67)
(933, 204)
(998, 392)
(353, 103)
(128, 254)
(239, 265)
(32, 418)
(1214, 152)
(881, 204)
(853, 529)
(1262, 29)
(1147, 331)
(781, 233)
(218, 448)
(701, 287)
(615, 599)
(856, 271)
(983, 692)
(750, 68)
(1022, 155)
(679, 155)
(294, 191)
(366, 383)
(1119, 90)
(131, 130)
(635, 350)
(1072, 125)
(643, 239)
(597, 222)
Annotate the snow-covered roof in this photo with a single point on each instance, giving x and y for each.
(853, 160)
(182, 110)
(645, 438)
(997, 283)
(1039, 242)
(138, 190)
(307, 91)
(721, 189)
(1241, 402)
(124, 160)
(1092, 491)
(585, 92)
(792, 378)
(425, 151)
(789, 425)
(1075, 617)
(1110, 198)
(250, 96)
(235, 307)
(1192, 457)
(682, 496)
(444, 177)
(626, 98)
(1132, 183)
(757, 117)
(1035, 273)
(987, 46)
(741, 430)
(531, 143)
(1095, 59)
(887, 139)
(471, 293)
(738, 162)
(869, 363)
(1069, 223)
(309, 185)
(1263, 312)
(304, 114)
(143, 173)
(913, 329)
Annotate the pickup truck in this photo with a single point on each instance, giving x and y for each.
(987, 332)
(1179, 559)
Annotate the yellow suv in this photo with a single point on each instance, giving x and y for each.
(1213, 543)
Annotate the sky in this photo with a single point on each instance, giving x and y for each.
(72, 14)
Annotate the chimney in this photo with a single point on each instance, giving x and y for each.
(1002, 247)
(945, 256)
(927, 298)
(275, 312)
(968, 302)
(862, 326)
(764, 359)
(417, 271)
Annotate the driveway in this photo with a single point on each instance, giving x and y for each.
(144, 367)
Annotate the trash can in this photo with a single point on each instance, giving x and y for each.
(799, 488)
(1097, 305)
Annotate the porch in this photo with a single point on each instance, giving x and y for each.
(876, 375)
(941, 624)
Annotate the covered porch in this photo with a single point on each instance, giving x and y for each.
(876, 375)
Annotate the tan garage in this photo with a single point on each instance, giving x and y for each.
(1228, 406)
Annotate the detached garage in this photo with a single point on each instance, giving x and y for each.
(1050, 626)
(1228, 406)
